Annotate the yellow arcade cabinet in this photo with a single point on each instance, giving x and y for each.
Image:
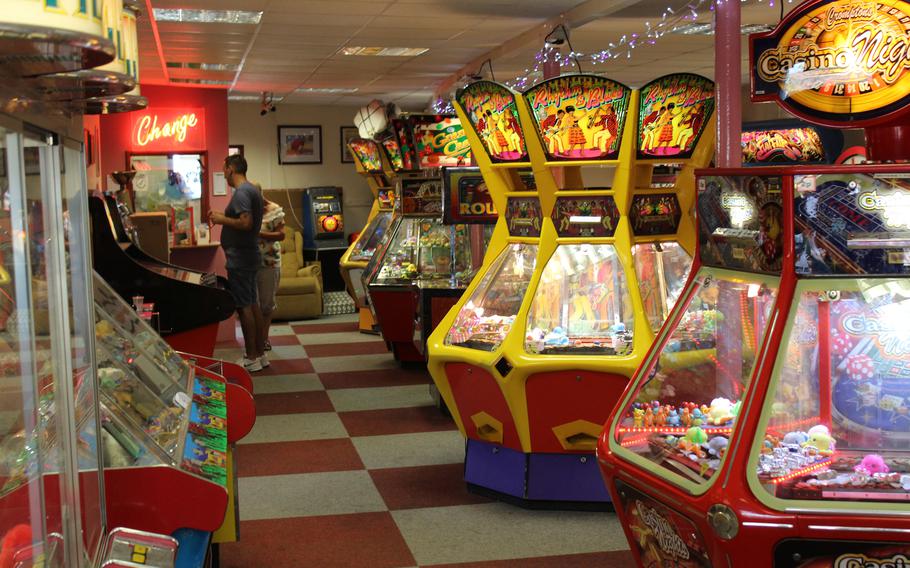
(369, 162)
(614, 238)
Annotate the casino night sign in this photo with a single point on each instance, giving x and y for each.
(838, 63)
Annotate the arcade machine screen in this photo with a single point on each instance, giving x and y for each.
(662, 269)
(835, 426)
(486, 318)
(582, 304)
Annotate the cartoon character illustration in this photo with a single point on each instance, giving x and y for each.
(600, 124)
(550, 128)
(575, 133)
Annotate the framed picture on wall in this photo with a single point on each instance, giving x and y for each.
(348, 133)
(235, 149)
(299, 145)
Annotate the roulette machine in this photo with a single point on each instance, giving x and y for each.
(370, 164)
(770, 422)
(582, 270)
(190, 304)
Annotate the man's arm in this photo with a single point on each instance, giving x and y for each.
(242, 223)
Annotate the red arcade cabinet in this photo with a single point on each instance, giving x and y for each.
(769, 425)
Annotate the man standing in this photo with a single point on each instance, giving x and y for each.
(242, 221)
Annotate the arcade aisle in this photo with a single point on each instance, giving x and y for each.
(349, 464)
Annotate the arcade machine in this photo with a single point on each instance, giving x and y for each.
(190, 304)
(780, 142)
(368, 160)
(323, 232)
(594, 266)
(468, 209)
(768, 426)
(420, 249)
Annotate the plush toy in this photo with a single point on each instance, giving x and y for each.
(820, 439)
(556, 338)
(649, 417)
(696, 435)
(872, 464)
(797, 438)
(673, 418)
(686, 417)
(637, 416)
(720, 411)
(698, 417)
(16, 539)
(717, 446)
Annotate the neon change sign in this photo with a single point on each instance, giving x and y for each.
(168, 129)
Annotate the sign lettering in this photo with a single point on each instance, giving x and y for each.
(837, 62)
(168, 130)
(667, 538)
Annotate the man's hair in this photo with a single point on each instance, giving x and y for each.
(237, 162)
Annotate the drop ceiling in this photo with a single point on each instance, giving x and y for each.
(297, 44)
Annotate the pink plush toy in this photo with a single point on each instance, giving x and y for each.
(873, 463)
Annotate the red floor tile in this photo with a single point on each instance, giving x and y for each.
(424, 486)
(310, 456)
(326, 327)
(395, 421)
(285, 367)
(615, 558)
(339, 349)
(375, 378)
(362, 539)
(293, 403)
(278, 340)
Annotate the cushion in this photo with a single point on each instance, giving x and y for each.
(291, 286)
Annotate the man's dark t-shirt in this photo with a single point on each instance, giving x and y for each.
(241, 248)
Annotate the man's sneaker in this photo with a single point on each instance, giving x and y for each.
(251, 365)
(268, 346)
(264, 361)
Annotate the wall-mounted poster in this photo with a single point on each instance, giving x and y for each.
(299, 145)
(673, 111)
(347, 133)
(579, 117)
(493, 113)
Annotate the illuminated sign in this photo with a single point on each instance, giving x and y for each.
(672, 114)
(468, 198)
(837, 62)
(585, 216)
(168, 129)
(801, 145)
(440, 141)
(367, 154)
(579, 117)
(893, 208)
(493, 113)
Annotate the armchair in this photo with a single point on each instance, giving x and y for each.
(300, 288)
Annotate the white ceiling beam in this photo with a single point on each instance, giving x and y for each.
(574, 18)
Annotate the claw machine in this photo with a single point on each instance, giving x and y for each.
(371, 165)
(612, 243)
(768, 425)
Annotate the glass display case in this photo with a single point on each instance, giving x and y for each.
(371, 237)
(682, 417)
(424, 251)
(836, 418)
(156, 410)
(662, 269)
(486, 318)
(582, 304)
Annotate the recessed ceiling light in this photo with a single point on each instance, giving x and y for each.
(207, 16)
(204, 66)
(326, 90)
(200, 81)
(707, 28)
(385, 51)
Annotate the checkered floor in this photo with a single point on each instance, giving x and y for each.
(350, 464)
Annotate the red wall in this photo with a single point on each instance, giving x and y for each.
(115, 143)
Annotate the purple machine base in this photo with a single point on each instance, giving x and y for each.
(535, 478)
